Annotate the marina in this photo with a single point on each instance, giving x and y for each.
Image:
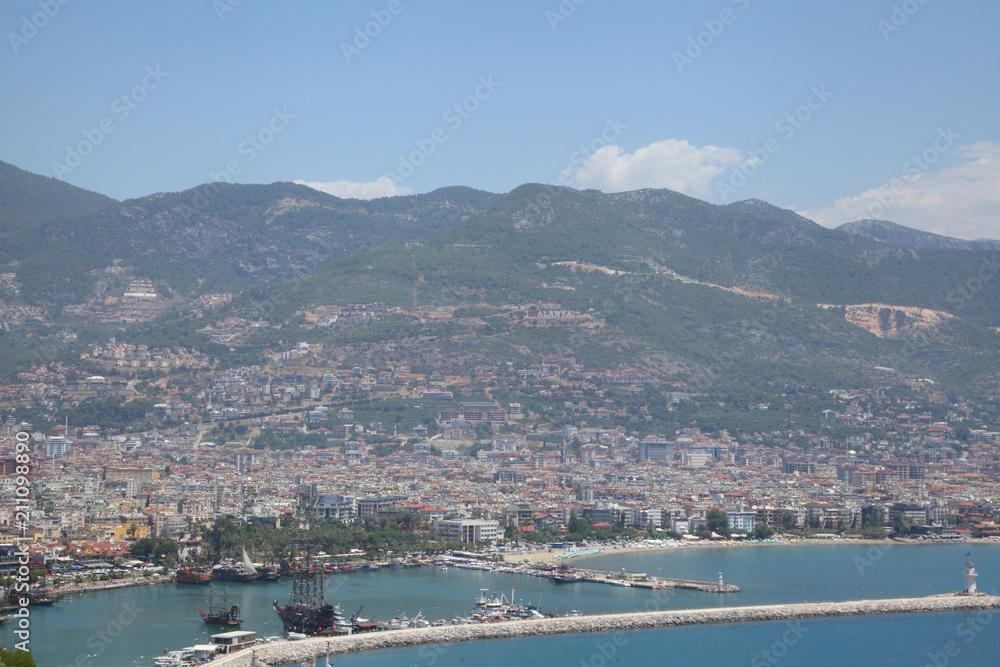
(166, 616)
(282, 653)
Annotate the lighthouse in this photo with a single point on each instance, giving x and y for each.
(970, 579)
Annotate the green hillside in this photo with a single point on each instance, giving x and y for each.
(721, 297)
(27, 199)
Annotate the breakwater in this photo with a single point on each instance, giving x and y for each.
(283, 653)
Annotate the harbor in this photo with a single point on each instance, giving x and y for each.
(284, 653)
(510, 620)
(166, 616)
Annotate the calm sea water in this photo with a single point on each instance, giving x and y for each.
(129, 627)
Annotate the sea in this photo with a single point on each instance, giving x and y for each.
(130, 627)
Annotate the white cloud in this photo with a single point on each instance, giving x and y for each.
(672, 163)
(380, 187)
(962, 201)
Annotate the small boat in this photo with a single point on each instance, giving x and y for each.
(399, 622)
(174, 659)
(341, 624)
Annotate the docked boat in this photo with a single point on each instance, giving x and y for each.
(402, 622)
(175, 659)
(232, 572)
(569, 578)
(307, 610)
(42, 597)
(221, 612)
(268, 573)
(495, 608)
(341, 623)
(399, 622)
(193, 575)
(242, 572)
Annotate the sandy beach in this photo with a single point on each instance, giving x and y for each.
(556, 556)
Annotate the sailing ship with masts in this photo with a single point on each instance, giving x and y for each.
(307, 610)
(236, 571)
(222, 612)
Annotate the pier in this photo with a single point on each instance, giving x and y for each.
(638, 580)
(283, 653)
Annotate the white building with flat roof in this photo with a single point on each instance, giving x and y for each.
(469, 530)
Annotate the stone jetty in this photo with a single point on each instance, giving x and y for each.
(283, 653)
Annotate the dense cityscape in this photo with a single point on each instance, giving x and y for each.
(283, 445)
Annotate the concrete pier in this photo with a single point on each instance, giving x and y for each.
(282, 653)
(641, 581)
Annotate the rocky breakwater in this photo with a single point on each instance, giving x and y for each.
(283, 653)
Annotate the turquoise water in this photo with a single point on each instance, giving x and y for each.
(129, 627)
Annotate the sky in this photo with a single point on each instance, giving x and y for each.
(838, 110)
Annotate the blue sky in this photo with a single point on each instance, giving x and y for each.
(818, 107)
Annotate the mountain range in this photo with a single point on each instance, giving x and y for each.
(745, 295)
